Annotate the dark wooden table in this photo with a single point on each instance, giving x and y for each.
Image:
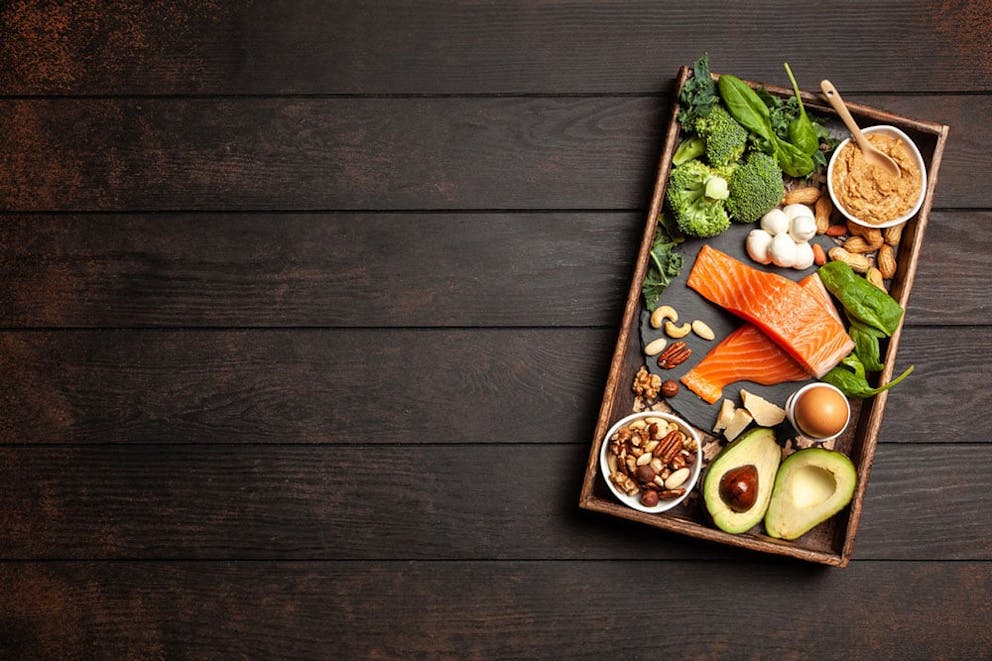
(307, 309)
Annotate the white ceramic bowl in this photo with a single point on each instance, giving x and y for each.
(635, 501)
(882, 128)
(790, 410)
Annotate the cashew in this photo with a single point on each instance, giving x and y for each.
(676, 332)
(662, 313)
(702, 330)
(655, 347)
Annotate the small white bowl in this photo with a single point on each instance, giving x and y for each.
(917, 156)
(790, 411)
(635, 501)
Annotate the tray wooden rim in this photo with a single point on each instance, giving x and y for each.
(870, 418)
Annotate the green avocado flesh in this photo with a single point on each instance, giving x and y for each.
(812, 485)
(756, 448)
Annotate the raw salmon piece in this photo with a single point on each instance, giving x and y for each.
(748, 355)
(794, 319)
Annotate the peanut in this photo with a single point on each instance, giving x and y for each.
(805, 195)
(893, 234)
(886, 262)
(874, 276)
(872, 236)
(857, 245)
(822, 214)
(836, 230)
(858, 263)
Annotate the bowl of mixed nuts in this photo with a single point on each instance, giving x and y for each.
(651, 460)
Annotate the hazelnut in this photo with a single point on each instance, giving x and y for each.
(645, 473)
(649, 498)
(669, 388)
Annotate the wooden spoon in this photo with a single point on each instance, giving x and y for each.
(872, 154)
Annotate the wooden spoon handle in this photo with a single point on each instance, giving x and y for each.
(833, 97)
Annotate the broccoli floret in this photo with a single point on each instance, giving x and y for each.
(755, 188)
(725, 138)
(695, 194)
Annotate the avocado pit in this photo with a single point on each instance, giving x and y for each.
(739, 487)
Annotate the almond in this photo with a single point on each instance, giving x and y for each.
(819, 257)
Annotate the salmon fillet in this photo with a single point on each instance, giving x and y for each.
(798, 321)
(748, 355)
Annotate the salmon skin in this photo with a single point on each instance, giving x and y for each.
(747, 354)
(795, 319)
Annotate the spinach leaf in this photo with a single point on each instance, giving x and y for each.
(793, 161)
(666, 264)
(801, 131)
(866, 346)
(862, 301)
(744, 105)
(849, 377)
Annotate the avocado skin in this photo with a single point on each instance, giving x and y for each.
(784, 522)
(756, 446)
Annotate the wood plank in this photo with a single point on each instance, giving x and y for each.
(417, 386)
(368, 269)
(490, 610)
(349, 269)
(417, 503)
(90, 47)
(378, 153)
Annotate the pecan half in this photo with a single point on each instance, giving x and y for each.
(673, 355)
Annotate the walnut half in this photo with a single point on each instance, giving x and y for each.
(646, 385)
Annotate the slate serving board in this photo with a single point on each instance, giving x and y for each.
(690, 305)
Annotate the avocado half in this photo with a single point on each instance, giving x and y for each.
(757, 448)
(812, 485)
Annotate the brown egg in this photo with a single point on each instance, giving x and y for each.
(821, 412)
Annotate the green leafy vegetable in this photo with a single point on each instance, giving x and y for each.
(874, 315)
(801, 131)
(698, 94)
(783, 112)
(744, 105)
(666, 264)
(866, 346)
(862, 301)
(850, 378)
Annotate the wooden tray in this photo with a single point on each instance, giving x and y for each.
(831, 542)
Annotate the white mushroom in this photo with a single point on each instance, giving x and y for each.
(758, 242)
(803, 228)
(775, 222)
(793, 211)
(783, 250)
(804, 256)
